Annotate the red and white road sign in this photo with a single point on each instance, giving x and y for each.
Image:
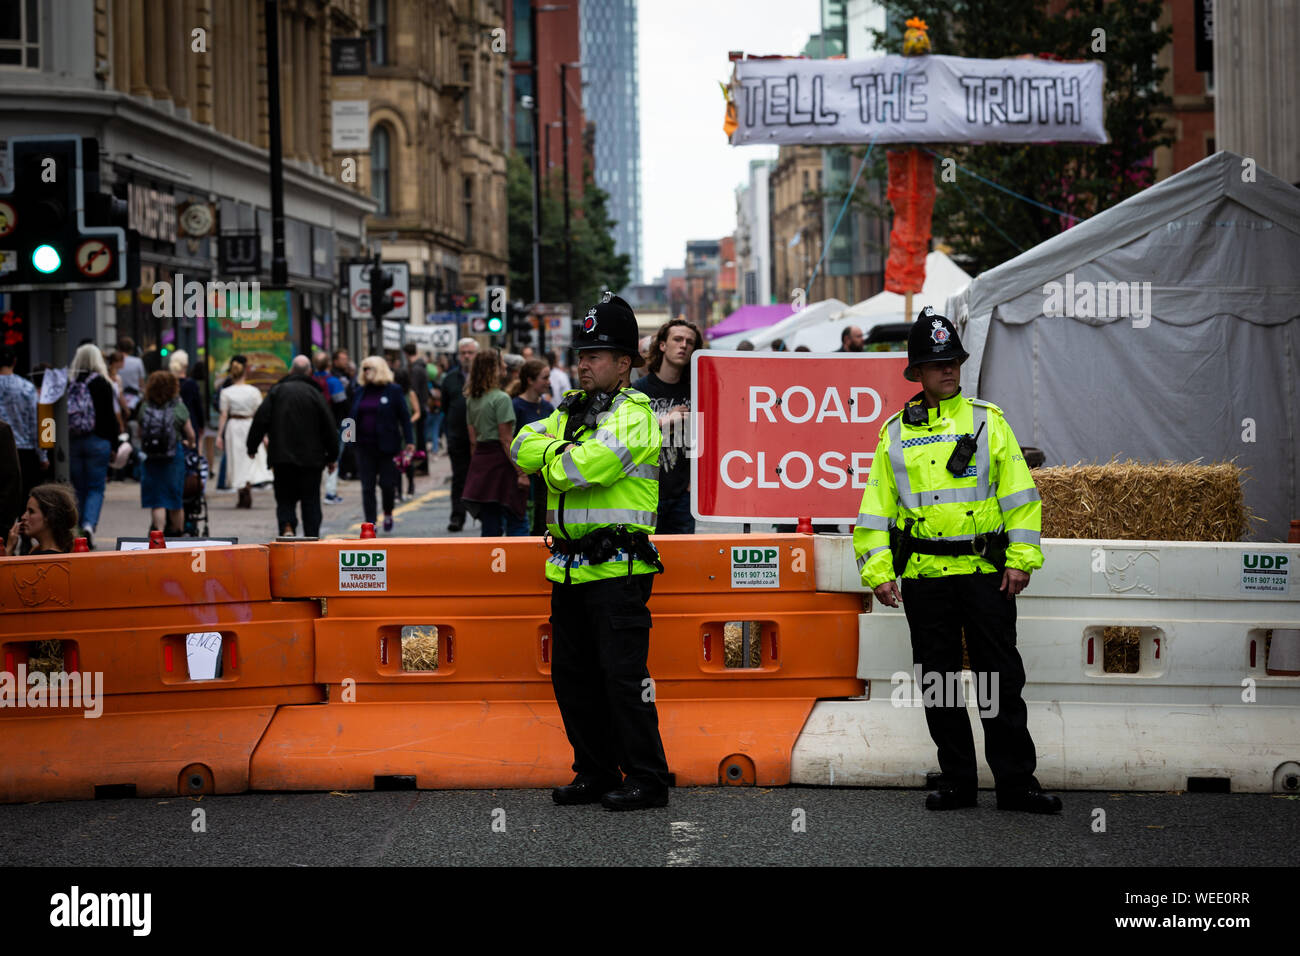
(781, 436)
(94, 258)
(399, 300)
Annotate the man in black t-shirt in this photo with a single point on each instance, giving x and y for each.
(668, 386)
(453, 405)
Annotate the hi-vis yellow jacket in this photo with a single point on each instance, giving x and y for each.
(609, 477)
(909, 480)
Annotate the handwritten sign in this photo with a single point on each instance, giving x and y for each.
(918, 99)
(203, 655)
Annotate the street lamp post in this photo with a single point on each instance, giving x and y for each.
(533, 10)
(279, 265)
(564, 121)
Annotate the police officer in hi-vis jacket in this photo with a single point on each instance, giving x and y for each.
(951, 509)
(598, 454)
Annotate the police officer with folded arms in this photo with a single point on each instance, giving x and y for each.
(950, 508)
(598, 454)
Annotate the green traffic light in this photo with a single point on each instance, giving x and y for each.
(494, 324)
(46, 259)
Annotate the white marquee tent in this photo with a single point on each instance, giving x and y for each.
(1165, 328)
(943, 278)
(763, 338)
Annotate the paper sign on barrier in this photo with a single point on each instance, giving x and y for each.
(203, 655)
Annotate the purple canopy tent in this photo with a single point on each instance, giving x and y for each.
(749, 317)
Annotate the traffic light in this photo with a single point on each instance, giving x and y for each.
(57, 231)
(496, 307)
(381, 303)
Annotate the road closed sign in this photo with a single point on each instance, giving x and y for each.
(781, 436)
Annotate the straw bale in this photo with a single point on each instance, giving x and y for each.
(733, 644)
(1160, 501)
(46, 657)
(420, 648)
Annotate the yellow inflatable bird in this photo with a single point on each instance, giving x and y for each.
(916, 41)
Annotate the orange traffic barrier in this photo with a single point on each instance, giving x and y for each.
(484, 714)
(172, 665)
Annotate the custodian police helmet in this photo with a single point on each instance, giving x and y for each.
(610, 324)
(933, 339)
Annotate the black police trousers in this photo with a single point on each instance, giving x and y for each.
(601, 637)
(938, 609)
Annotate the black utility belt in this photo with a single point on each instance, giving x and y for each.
(991, 546)
(947, 549)
(602, 544)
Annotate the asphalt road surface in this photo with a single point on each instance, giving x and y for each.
(706, 826)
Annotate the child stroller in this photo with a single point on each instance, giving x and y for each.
(193, 497)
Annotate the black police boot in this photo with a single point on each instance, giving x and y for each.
(950, 798)
(1030, 801)
(583, 790)
(635, 796)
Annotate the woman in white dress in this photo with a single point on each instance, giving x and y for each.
(239, 401)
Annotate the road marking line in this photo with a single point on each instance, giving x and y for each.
(400, 510)
(687, 836)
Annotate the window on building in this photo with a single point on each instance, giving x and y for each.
(523, 31)
(523, 117)
(378, 32)
(467, 99)
(379, 170)
(19, 34)
(469, 210)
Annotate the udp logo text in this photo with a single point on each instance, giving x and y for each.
(755, 568)
(1265, 571)
(363, 570)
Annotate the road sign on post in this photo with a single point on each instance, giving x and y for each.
(359, 288)
(778, 437)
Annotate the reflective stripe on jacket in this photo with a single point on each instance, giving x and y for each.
(609, 477)
(909, 479)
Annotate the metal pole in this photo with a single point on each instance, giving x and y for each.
(376, 321)
(60, 454)
(279, 265)
(564, 120)
(537, 205)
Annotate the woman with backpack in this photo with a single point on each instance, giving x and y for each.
(95, 427)
(164, 423)
(238, 403)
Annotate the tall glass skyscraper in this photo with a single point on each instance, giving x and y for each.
(611, 99)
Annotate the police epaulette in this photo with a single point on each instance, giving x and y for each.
(980, 401)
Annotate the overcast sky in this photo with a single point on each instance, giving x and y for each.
(689, 172)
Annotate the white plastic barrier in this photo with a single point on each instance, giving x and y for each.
(1201, 704)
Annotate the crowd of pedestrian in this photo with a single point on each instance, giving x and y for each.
(144, 416)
